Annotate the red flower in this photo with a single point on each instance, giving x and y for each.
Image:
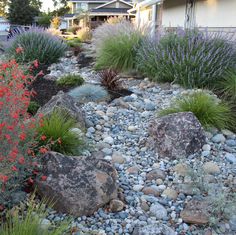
(22, 136)
(30, 181)
(19, 50)
(43, 150)
(14, 168)
(21, 160)
(44, 178)
(36, 63)
(43, 137)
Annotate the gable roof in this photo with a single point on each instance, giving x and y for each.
(108, 3)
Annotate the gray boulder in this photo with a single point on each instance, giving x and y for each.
(63, 102)
(77, 185)
(177, 135)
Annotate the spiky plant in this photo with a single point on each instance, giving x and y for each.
(210, 111)
(56, 130)
(228, 86)
(36, 44)
(29, 222)
(109, 79)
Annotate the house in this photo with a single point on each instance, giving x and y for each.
(214, 14)
(97, 10)
(4, 25)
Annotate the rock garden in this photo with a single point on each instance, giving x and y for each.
(120, 134)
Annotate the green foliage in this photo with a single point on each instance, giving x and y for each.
(33, 107)
(29, 222)
(21, 12)
(228, 86)
(89, 93)
(119, 52)
(190, 58)
(210, 111)
(70, 80)
(37, 44)
(74, 29)
(75, 42)
(45, 20)
(58, 130)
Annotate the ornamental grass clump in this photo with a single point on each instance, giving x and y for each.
(210, 111)
(36, 44)
(116, 45)
(18, 160)
(190, 58)
(30, 221)
(57, 132)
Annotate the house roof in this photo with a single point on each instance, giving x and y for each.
(110, 10)
(110, 2)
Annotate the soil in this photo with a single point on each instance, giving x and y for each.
(119, 93)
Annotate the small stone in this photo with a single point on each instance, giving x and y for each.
(156, 174)
(211, 168)
(150, 191)
(144, 206)
(158, 211)
(150, 106)
(170, 193)
(137, 187)
(206, 153)
(230, 158)
(91, 130)
(132, 128)
(117, 157)
(227, 133)
(219, 138)
(159, 181)
(108, 140)
(206, 147)
(132, 170)
(116, 205)
(188, 189)
(45, 223)
(231, 143)
(232, 223)
(181, 169)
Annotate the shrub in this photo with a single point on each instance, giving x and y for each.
(29, 222)
(55, 22)
(119, 52)
(56, 132)
(115, 19)
(190, 58)
(109, 79)
(75, 42)
(74, 29)
(228, 86)
(45, 20)
(17, 131)
(70, 80)
(84, 34)
(89, 93)
(210, 111)
(33, 107)
(37, 44)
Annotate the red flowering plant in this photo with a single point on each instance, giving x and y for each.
(17, 131)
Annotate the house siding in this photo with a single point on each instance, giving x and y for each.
(208, 13)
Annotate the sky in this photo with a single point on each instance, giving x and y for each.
(47, 4)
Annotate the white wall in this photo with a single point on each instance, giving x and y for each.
(209, 13)
(173, 13)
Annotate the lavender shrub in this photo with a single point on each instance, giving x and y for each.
(191, 58)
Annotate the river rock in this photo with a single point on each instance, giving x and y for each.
(177, 135)
(77, 185)
(154, 229)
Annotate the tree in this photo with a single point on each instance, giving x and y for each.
(22, 12)
(3, 6)
(60, 2)
(37, 4)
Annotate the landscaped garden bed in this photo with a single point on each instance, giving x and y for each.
(112, 154)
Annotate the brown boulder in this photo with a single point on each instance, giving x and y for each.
(77, 185)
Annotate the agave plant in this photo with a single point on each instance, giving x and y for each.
(109, 79)
(89, 93)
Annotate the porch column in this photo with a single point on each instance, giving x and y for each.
(154, 19)
(138, 19)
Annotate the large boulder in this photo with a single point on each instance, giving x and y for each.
(77, 185)
(63, 102)
(177, 135)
